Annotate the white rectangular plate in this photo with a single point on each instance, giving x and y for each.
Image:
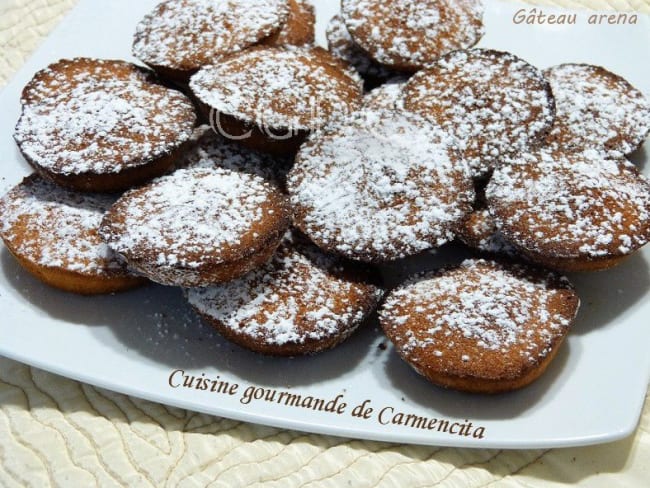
(131, 343)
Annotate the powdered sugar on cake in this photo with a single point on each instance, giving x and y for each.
(188, 34)
(413, 33)
(596, 108)
(380, 184)
(95, 123)
(297, 88)
(57, 228)
(494, 103)
(189, 218)
(573, 204)
(297, 297)
(498, 309)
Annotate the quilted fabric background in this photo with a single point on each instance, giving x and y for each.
(57, 432)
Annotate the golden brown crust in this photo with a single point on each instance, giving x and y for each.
(181, 36)
(467, 92)
(101, 125)
(492, 386)
(198, 226)
(208, 273)
(572, 211)
(308, 347)
(53, 233)
(299, 29)
(482, 327)
(78, 283)
(302, 302)
(113, 183)
(407, 35)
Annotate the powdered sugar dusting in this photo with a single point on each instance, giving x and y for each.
(211, 150)
(98, 121)
(279, 88)
(380, 185)
(596, 108)
(480, 308)
(410, 34)
(494, 103)
(479, 231)
(299, 296)
(190, 218)
(57, 228)
(572, 204)
(188, 34)
(341, 45)
(386, 96)
(299, 29)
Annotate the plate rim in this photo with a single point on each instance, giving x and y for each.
(623, 431)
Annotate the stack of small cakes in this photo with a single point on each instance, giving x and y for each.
(179, 37)
(271, 188)
(91, 129)
(130, 188)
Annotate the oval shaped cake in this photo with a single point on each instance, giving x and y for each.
(379, 186)
(483, 327)
(198, 226)
(101, 125)
(54, 235)
(571, 211)
(302, 302)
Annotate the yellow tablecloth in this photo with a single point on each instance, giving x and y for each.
(54, 431)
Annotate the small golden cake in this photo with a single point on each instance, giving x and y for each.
(180, 36)
(198, 226)
(101, 125)
(571, 211)
(269, 99)
(54, 235)
(597, 108)
(302, 302)
(493, 102)
(407, 35)
(379, 186)
(482, 327)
